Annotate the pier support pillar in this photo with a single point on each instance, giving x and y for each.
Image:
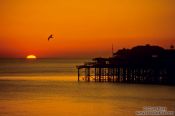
(99, 74)
(78, 74)
(87, 74)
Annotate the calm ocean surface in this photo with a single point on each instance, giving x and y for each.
(39, 67)
(49, 87)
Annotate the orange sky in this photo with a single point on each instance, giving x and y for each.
(83, 27)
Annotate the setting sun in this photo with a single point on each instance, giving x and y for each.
(31, 57)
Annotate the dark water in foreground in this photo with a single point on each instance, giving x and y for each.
(49, 88)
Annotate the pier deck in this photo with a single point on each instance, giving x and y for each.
(130, 69)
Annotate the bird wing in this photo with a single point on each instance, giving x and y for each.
(50, 37)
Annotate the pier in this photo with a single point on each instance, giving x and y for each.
(141, 64)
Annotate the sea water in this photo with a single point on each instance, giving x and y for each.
(49, 87)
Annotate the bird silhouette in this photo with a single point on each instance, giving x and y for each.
(50, 37)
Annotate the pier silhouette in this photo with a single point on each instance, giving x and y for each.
(140, 64)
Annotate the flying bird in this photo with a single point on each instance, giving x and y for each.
(50, 37)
